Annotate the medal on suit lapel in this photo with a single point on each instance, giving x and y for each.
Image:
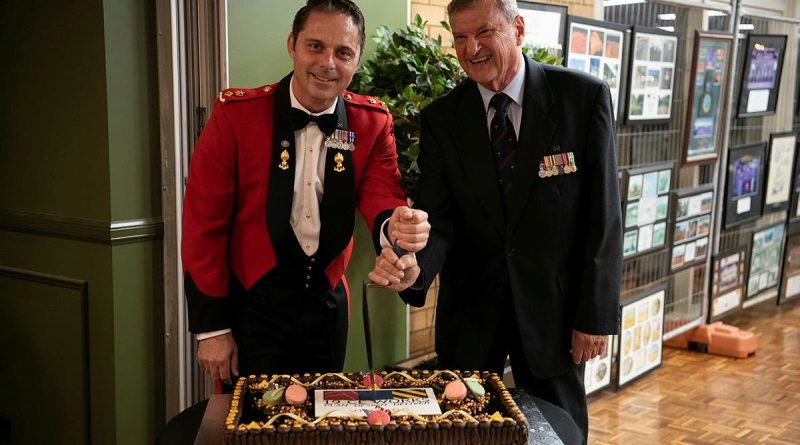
(565, 161)
(341, 140)
(284, 157)
(542, 173)
(338, 159)
(573, 166)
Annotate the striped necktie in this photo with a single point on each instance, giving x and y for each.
(504, 141)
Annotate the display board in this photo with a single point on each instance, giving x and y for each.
(765, 260)
(545, 26)
(704, 123)
(641, 335)
(761, 74)
(596, 48)
(645, 208)
(652, 76)
(779, 171)
(691, 227)
(745, 182)
(727, 283)
(790, 281)
(597, 371)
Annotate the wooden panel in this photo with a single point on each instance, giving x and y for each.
(43, 326)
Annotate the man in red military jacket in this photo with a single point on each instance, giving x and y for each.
(270, 206)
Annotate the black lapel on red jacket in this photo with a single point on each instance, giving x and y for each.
(472, 141)
(281, 181)
(337, 209)
(536, 131)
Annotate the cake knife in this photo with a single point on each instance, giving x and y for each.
(367, 335)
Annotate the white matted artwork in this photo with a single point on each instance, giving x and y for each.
(646, 208)
(652, 76)
(596, 48)
(597, 373)
(641, 336)
(765, 260)
(779, 171)
(691, 231)
(727, 283)
(545, 26)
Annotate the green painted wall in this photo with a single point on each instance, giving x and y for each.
(79, 126)
(257, 33)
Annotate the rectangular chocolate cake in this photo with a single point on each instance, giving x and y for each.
(397, 408)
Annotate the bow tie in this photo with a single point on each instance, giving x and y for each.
(326, 122)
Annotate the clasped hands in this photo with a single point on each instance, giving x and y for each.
(409, 230)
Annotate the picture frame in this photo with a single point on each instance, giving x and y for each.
(651, 76)
(790, 280)
(545, 26)
(598, 48)
(597, 371)
(764, 270)
(761, 74)
(641, 336)
(744, 192)
(705, 115)
(778, 189)
(794, 207)
(691, 226)
(645, 208)
(728, 283)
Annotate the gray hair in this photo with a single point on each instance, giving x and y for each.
(507, 7)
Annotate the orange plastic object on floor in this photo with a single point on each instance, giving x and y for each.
(716, 338)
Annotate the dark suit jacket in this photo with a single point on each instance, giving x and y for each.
(558, 254)
(238, 201)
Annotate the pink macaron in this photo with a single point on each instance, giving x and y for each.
(379, 416)
(296, 395)
(455, 391)
(368, 381)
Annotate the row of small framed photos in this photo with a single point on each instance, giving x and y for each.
(601, 49)
(742, 273)
(756, 185)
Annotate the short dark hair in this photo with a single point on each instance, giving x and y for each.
(346, 7)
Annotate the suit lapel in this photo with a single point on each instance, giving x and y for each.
(337, 209)
(536, 131)
(474, 148)
(281, 181)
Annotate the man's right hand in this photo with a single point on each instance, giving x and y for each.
(219, 357)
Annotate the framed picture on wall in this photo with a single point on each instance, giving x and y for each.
(794, 207)
(744, 189)
(641, 335)
(790, 282)
(778, 190)
(645, 208)
(652, 76)
(761, 74)
(691, 226)
(545, 26)
(597, 374)
(765, 260)
(704, 118)
(727, 283)
(596, 48)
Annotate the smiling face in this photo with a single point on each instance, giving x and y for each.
(489, 48)
(325, 54)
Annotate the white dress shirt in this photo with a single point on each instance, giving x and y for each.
(515, 90)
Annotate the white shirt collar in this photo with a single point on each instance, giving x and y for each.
(515, 89)
(296, 103)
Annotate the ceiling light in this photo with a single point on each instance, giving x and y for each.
(667, 28)
(746, 26)
(667, 17)
(713, 13)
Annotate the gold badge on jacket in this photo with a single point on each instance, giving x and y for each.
(556, 164)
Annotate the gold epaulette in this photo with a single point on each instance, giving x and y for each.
(236, 94)
(368, 101)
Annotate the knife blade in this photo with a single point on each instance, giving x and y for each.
(367, 334)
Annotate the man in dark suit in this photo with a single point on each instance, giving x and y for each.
(519, 179)
(270, 204)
